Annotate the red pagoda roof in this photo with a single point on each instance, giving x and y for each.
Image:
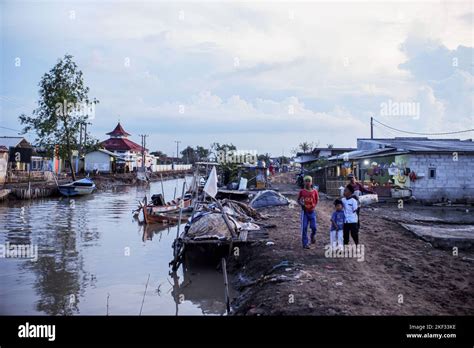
(121, 144)
(118, 131)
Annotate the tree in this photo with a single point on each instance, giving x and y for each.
(202, 153)
(222, 154)
(63, 108)
(189, 154)
(306, 147)
(159, 154)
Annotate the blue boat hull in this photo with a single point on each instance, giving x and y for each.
(77, 188)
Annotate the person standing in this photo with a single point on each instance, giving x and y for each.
(350, 204)
(357, 186)
(337, 225)
(358, 189)
(308, 199)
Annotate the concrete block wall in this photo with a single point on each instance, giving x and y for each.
(454, 179)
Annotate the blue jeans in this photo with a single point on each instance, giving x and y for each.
(306, 218)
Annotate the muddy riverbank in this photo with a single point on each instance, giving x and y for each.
(399, 273)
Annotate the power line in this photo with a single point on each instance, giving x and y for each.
(14, 130)
(384, 131)
(417, 133)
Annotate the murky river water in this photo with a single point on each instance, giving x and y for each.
(94, 258)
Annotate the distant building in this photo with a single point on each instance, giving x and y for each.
(318, 153)
(3, 163)
(129, 153)
(101, 161)
(431, 169)
(19, 152)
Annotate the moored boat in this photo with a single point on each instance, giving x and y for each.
(77, 188)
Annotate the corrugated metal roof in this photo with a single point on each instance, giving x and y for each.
(423, 144)
(357, 154)
(306, 158)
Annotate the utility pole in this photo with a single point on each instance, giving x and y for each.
(371, 127)
(85, 133)
(177, 149)
(143, 150)
(80, 137)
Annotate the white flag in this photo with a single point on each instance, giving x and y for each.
(211, 184)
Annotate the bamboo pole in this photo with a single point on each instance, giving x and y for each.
(175, 252)
(226, 285)
(146, 286)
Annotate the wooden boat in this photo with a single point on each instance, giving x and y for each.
(171, 207)
(214, 246)
(152, 216)
(77, 188)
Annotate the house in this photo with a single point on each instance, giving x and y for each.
(101, 160)
(319, 153)
(3, 163)
(431, 169)
(129, 153)
(19, 152)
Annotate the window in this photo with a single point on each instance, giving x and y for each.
(432, 173)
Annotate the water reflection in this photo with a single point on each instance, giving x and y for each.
(82, 267)
(150, 231)
(201, 285)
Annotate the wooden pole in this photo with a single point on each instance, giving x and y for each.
(175, 252)
(145, 212)
(371, 127)
(146, 286)
(226, 285)
(224, 216)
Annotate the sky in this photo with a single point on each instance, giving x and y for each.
(262, 75)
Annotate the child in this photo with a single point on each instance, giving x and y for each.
(337, 225)
(308, 198)
(350, 212)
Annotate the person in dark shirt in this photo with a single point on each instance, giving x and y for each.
(357, 186)
(337, 225)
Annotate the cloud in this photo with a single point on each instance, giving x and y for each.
(332, 64)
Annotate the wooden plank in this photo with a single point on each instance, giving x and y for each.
(243, 235)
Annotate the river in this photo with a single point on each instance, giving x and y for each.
(93, 258)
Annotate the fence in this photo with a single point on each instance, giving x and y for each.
(170, 167)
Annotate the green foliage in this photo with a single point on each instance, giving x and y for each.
(306, 146)
(191, 155)
(159, 154)
(202, 153)
(63, 106)
(315, 165)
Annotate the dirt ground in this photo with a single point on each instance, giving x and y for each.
(400, 274)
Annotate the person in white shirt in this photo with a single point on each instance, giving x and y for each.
(350, 205)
